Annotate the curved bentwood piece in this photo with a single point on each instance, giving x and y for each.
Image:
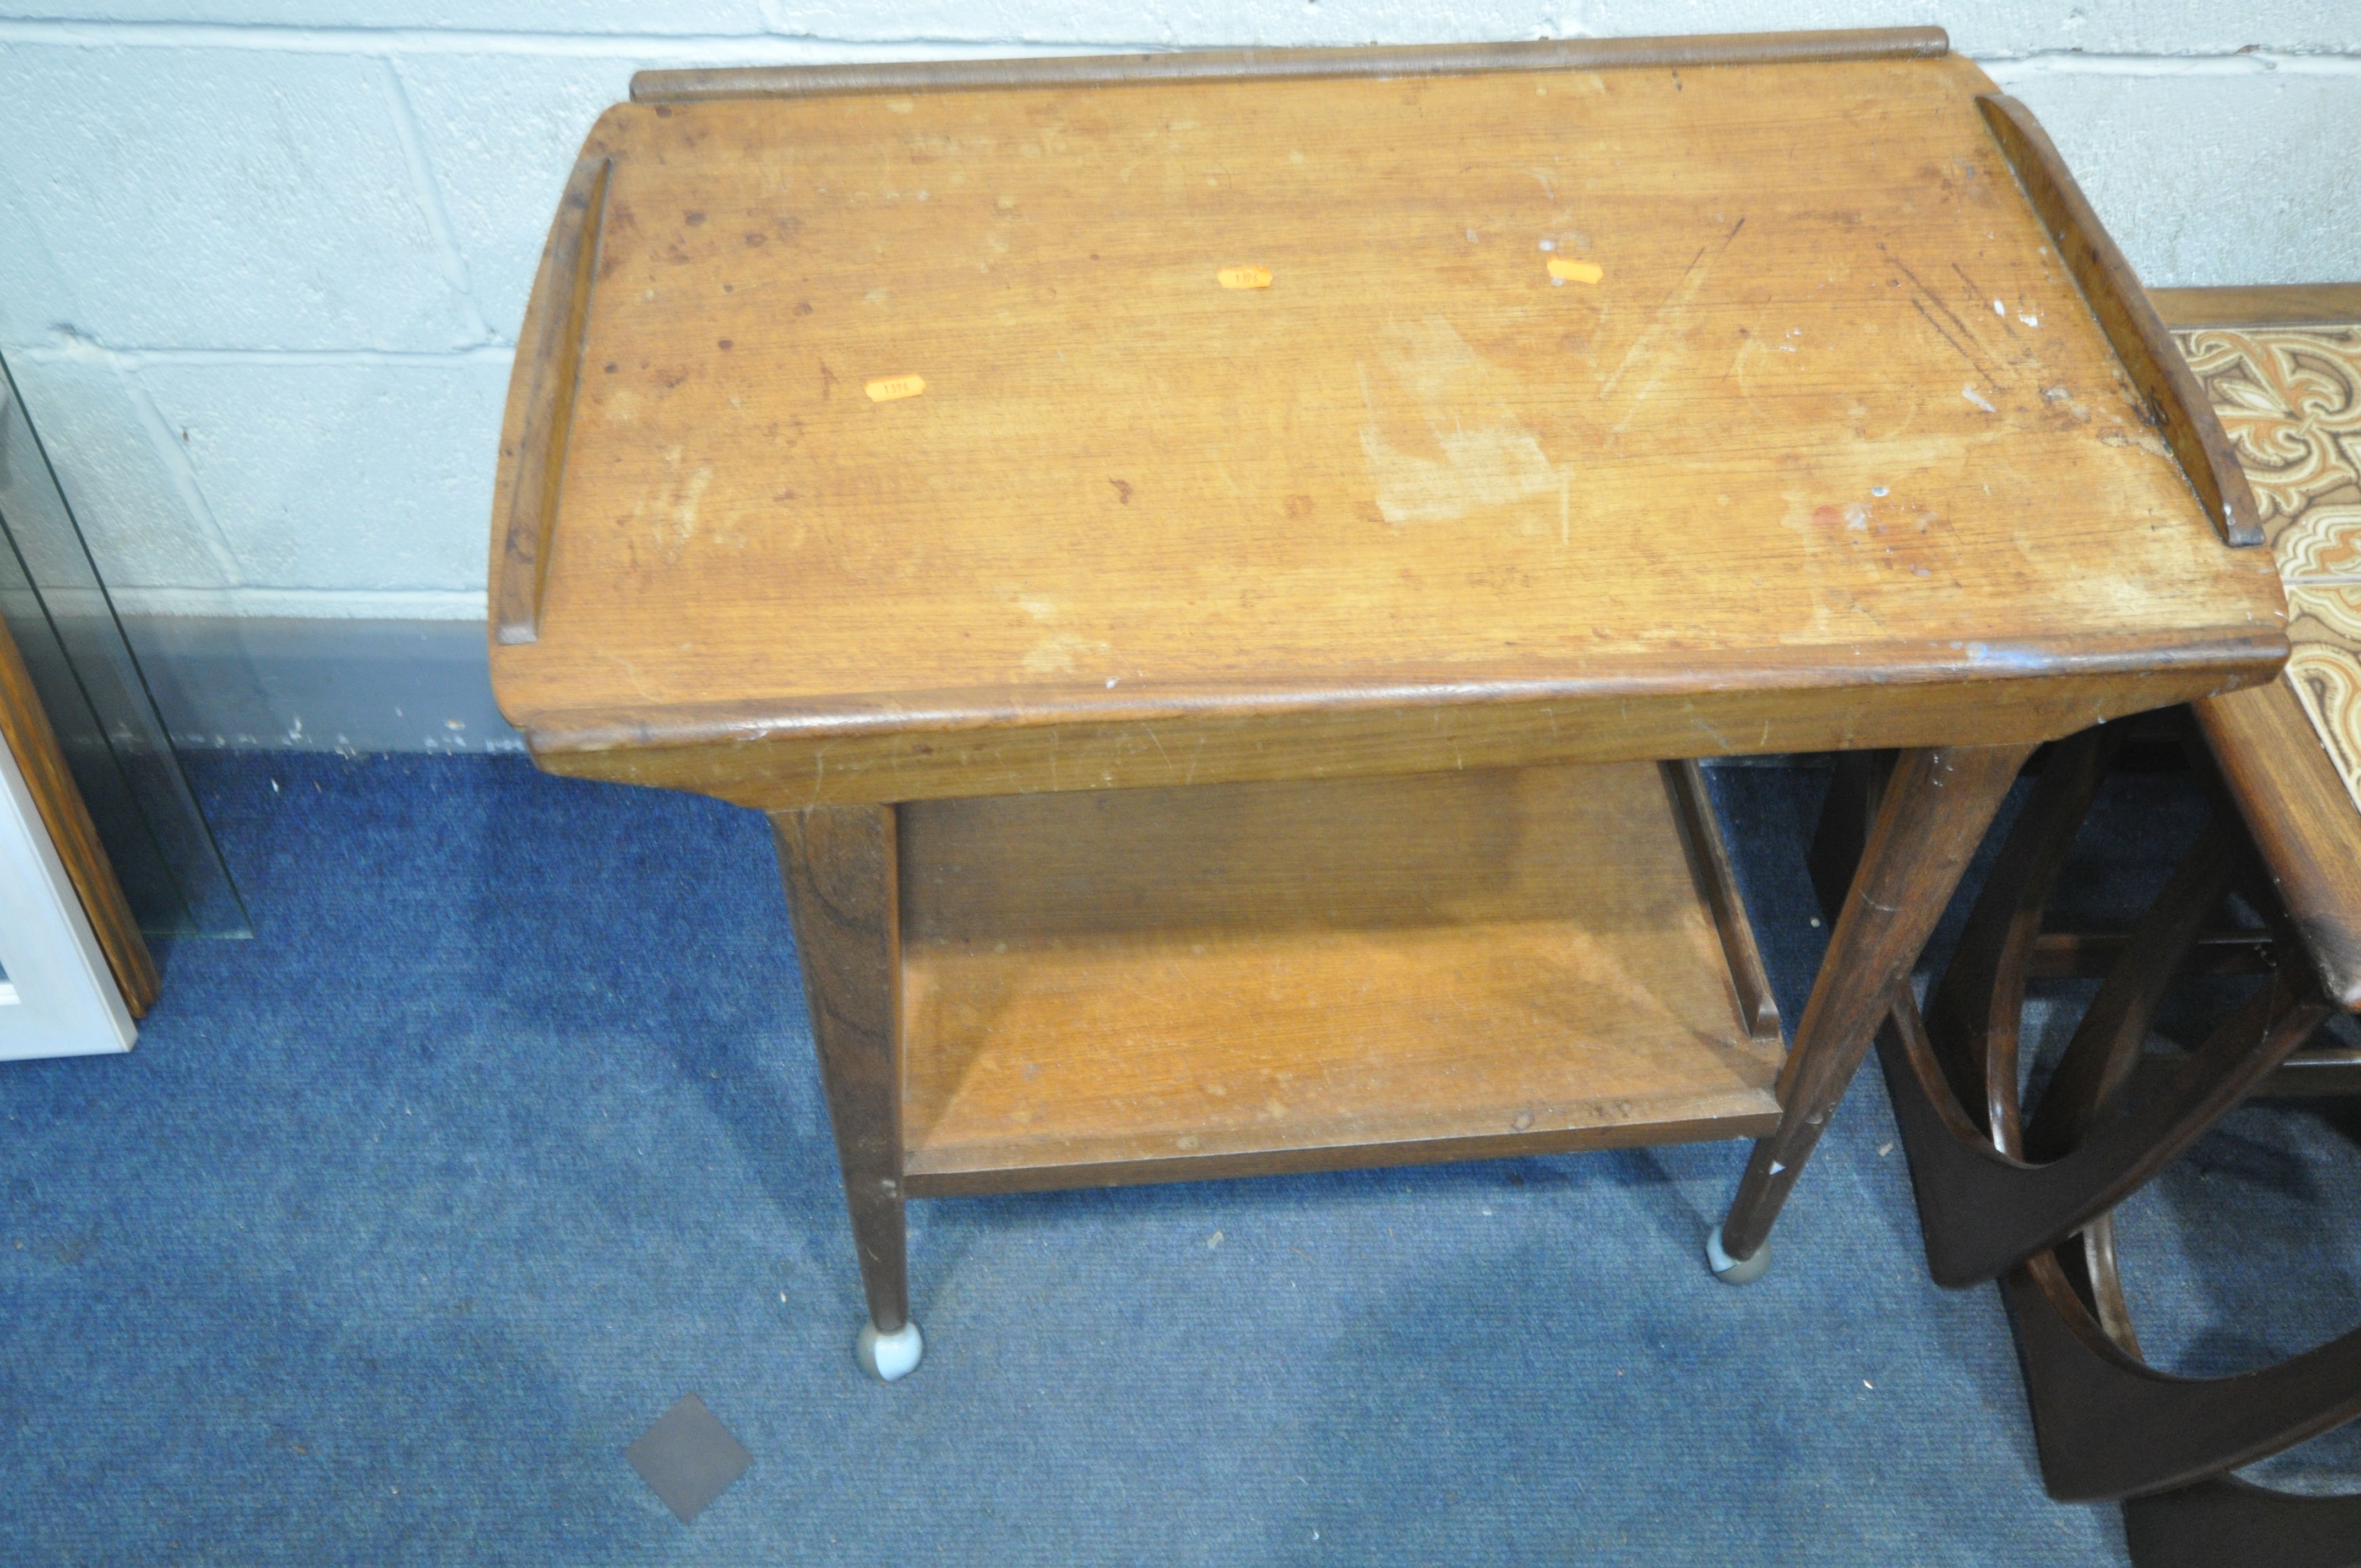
(1982, 1211)
(1993, 1189)
(2222, 1520)
(2107, 1425)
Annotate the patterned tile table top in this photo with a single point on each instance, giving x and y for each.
(2290, 399)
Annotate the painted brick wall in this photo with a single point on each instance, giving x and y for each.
(262, 261)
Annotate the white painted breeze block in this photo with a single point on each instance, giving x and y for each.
(262, 261)
(222, 198)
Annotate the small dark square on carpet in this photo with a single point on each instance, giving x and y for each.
(688, 1457)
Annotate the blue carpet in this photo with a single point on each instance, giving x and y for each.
(407, 1216)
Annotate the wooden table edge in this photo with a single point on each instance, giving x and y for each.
(2301, 818)
(2288, 790)
(1290, 64)
(2247, 655)
(2263, 305)
(979, 1181)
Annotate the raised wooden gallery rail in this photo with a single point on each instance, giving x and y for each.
(1289, 64)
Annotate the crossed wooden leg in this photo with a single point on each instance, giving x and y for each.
(1930, 816)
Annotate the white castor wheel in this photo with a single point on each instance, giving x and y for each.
(889, 1358)
(1736, 1270)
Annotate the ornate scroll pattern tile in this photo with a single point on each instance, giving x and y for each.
(2324, 625)
(2324, 612)
(2290, 400)
(2324, 542)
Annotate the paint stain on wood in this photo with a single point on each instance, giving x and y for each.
(1428, 463)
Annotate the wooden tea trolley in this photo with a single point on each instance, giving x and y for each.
(1217, 565)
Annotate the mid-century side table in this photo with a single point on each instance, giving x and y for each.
(1218, 566)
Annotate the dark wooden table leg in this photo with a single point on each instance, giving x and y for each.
(1930, 817)
(1977, 1007)
(844, 891)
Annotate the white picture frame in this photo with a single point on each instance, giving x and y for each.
(58, 998)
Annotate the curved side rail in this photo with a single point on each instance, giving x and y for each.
(541, 405)
(2130, 323)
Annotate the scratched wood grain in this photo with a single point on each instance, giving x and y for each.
(1832, 440)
